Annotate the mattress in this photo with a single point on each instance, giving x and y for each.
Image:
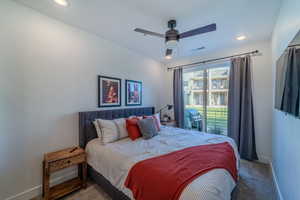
(114, 160)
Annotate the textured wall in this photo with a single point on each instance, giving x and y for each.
(48, 73)
(286, 129)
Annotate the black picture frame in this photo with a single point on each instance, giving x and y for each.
(103, 91)
(127, 95)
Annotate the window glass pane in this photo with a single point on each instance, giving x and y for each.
(206, 93)
(218, 100)
(194, 99)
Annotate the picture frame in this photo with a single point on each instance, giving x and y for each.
(109, 91)
(133, 93)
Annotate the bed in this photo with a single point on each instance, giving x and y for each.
(108, 165)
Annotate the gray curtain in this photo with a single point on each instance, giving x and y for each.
(240, 108)
(291, 96)
(178, 98)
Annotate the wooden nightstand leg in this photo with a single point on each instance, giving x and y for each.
(46, 185)
(84, 174)
(43, 185)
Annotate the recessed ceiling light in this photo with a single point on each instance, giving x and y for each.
(168, 57)
(242, 37)
(62, 2)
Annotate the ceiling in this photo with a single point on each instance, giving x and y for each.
(115, 20)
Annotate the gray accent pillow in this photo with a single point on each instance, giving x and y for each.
(147, 128)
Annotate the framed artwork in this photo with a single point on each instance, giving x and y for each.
(133, 95)
(109, 91)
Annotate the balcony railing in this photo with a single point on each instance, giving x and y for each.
(216, 120)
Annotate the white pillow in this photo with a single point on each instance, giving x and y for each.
(121, 124)
(98, 130)
(111, 130)
(157, 115)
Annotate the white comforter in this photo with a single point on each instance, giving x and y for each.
(114, 161)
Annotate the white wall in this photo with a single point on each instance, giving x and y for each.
(262, 90)
(48, 73)
(286, 129)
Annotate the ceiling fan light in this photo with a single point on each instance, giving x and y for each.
(242, 37)
(171, 44)
(169, 54)
(62, 2)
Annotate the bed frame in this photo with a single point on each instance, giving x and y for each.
(87, 132)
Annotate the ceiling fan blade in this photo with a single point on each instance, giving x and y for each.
(201, 30)
(145, 32)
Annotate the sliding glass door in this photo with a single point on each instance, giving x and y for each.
(206, 98)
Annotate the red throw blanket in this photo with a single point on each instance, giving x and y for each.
(164, 177)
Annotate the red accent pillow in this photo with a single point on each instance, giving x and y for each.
(132, 128)
(155, 120)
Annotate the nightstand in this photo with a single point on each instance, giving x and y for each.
(169, 123)
(60, 160)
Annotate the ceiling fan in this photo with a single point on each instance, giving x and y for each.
(172, 36)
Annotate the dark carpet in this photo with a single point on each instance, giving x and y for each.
(255, 183)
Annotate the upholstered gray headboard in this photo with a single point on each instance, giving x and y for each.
(87, 130)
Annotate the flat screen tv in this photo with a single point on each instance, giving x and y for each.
(287, 85)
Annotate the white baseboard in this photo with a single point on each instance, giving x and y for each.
(264, 159)
(276, 182)
(37, 190)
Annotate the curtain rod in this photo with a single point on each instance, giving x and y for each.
(294, 45)
(212, 60)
